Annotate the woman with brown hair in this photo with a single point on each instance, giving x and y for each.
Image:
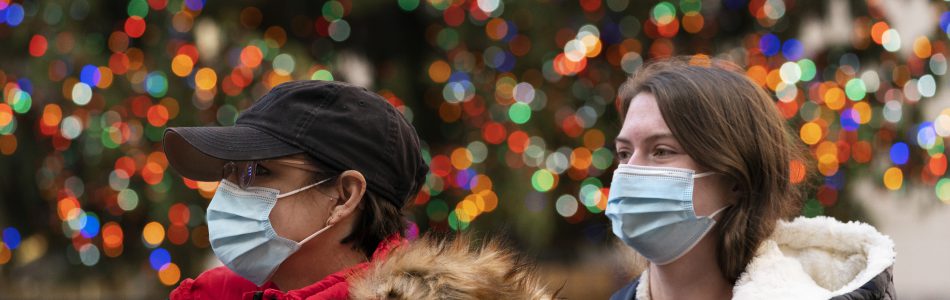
(703, 192)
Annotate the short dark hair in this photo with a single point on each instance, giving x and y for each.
(378, 219)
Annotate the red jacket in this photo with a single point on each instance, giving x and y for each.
(221, 283)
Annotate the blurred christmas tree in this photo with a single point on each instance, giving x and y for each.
(514, 101)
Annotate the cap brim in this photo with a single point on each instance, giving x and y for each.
(199, 153)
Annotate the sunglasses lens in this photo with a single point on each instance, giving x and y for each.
(248, 174)
(243, 173)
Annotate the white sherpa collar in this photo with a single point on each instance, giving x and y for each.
(810, 258)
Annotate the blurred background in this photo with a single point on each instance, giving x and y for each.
(513, 100)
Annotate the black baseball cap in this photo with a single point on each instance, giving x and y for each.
(340, 126)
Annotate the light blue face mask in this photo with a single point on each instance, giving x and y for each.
(651, 209)
(240, 231)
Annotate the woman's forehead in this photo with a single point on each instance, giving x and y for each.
(643, 119)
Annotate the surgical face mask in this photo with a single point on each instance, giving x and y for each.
(651, 210)
(241, 234)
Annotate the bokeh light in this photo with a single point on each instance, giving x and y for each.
(516, 114)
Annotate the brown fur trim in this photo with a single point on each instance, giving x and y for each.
(439, 268)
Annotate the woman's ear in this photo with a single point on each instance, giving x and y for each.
(351, 186)
(734, 189)
(736, 194)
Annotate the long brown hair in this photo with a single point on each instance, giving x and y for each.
(730, 125)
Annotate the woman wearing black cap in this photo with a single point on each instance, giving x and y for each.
(314, 177)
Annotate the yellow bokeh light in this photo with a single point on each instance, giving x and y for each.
(922, 47)
(439, 71)
(273, 79)
(206, 79)
(828, 165)
(470, 207)
(593, 45)
(864, 112)
(773, 78)
(68, 208)
(835, 98)
(105, 77)
(893, 178)
(153, 233)
(810, 133)
(182, 65)
(461, 158)
(52, 115)
(207, 188)
(602, 200)
(463, 215)
(581, 158)
(758, 74)
(827, 148)
(490, 199)
(169, 274)
(479, 202)
(482, 183)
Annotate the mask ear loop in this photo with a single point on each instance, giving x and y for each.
(713, 215)
(315, 234)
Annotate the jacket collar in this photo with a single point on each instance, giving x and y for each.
(811, 258)
(815, 258)
(335, 285)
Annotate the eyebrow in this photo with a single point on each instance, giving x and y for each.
(649, 139)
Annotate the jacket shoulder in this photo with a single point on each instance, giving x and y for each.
(440, 268)
(217, 283)
(820, 258)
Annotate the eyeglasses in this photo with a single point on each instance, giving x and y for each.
(246, 173)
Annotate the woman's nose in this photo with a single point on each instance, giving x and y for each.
(636, 158)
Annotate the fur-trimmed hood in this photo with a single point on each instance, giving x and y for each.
(437, 268)
(815, 258)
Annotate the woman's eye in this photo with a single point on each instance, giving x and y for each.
(662, 152)
(623, 155)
